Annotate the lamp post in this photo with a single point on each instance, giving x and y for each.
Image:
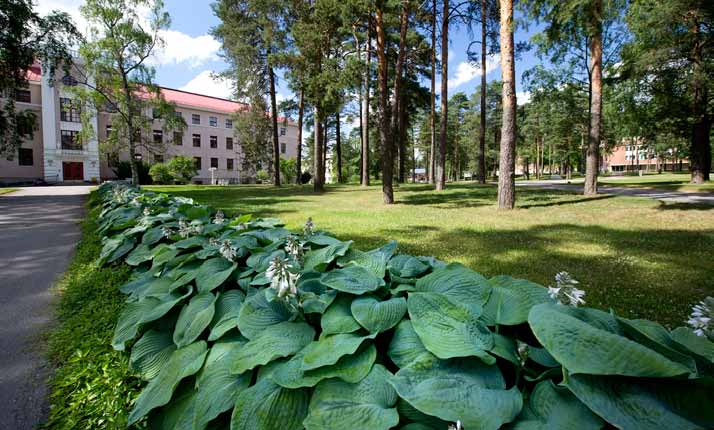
(213, 181)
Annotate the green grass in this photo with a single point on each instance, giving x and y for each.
(641, 257)
(6, 190)
(92, 387)
(664, 181)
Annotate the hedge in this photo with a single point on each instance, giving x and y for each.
(240, 323)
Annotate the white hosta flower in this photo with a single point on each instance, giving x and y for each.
(167, 232)
(282, 279)
(186, 229)
(566, 292)
(294, 248)
(702, 318)
(227, 250)
(220, 218)
(213, 241)
(575, 296)
(309, 228)
(147, 211)
(457, 426)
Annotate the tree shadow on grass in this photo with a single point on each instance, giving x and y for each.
(664, 206)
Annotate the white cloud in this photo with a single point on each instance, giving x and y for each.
(205, 84)
(466, 72)
(523, 97)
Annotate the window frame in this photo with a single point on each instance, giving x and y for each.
(229, 143)
(197, 163)
(193, 140)
(76, 144)
(213, 142)
(22, 159)
(213, 121)
(68, 111)
(195, 119)
(229, 164)
(229, 123)
(23, 91)
(212, 162)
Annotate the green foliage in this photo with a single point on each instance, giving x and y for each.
(320, 339)
(182, 169)
(262, 176)
(122, 169)
(161, 174)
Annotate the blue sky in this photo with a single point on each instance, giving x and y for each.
(191, 54)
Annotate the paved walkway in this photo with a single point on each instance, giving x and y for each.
(38, 232)
(662, 195)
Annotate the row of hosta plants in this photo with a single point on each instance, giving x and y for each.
(240, 323)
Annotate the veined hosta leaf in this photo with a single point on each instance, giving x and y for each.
(184, 362)
(191, 242)
(152, 235)
(377, 316)
(217, 388)
(459, 389)
(227, 310)
(350, 368)
(338, 317)
(314, 296)
(410, 413)
(213, 273)
(461, 285)
(367, 405)
(143, 311)
(584, 348)
(406, 266)
(162, 254)
(654, 336)
(645, 404)
(448, 329)
(276, 341)
(511, 300)
(153, 287)
(268, 406)
(406, 345)
(319, 259)
(352, 279)
(139, 255)
(698, 346)
(321, 239)
(116, 248)
(194, 318)
(506, 348)
(177, 414)
(150, 353)
(137, 283)
(329, 349)
(556, 408)
(257, 313)
(374, 261)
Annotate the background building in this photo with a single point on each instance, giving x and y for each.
(633, 156)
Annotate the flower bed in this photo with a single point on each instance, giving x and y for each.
(239, 323)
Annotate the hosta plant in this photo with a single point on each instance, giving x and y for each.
(239, 323)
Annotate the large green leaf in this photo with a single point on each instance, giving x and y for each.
(184, 362)
(280, 340)
(349, 368)
(405, 346)
(194, 318)
(116, 248)
(268, 406)
(257, 313)
(406, 266)
(217, 388)
(352, 279)
(657, 338)
(556, 408)
(213, 272)
(448, 329)
(314, 296)
(366, 405)
(329, 349)
(227, 310)
(178, 413)
(378, 316)
(645, 404)
(319, 259)
(580, 342)
(143, 311)
(139, 255)
(460, 284)
(150, 353)
(511, 299)
(338, 317)
(374, 261)
(152, 235)
(466, 390)
(699, 345)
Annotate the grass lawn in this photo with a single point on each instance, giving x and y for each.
(6, 190)
(643, 258)
(664, 181)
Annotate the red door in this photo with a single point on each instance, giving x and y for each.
(73, 170)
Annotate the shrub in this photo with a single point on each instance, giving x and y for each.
(306, 177)
(122, 169)
(287, 170)
(182, 169)
(241, 323)
(161, 173)
(262, 176)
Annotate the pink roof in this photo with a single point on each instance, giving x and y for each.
(34, 73)
(201, 101)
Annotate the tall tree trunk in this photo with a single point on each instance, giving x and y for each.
(325, 142)
(506, 174)
(432, 115)
(700, 160)
(365, 113)
(298, 157)
(482, 128)
(397, 90)
(383, 103)
(135, 180)
(274, 115)
(441, 162)
(318, 179)
(592, 158)
(402, 141)
(338, 147)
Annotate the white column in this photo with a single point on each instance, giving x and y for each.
(50, 135)
(91, 165)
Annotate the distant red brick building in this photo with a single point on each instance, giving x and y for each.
(633, 156)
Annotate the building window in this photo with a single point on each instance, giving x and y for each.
(108, 131)
(179, 114)
(196, 140)
(69, 80)
(158, 158)
(214, 162)
(213, 121)
(158, 137)
(283, 148)
(282, 131)
(69, 111)
(197, 163)
(214, 141)
(229, 123)
(229, 164)
(229, 143)
(195, 119)
(25, 157)
(23, 96)
(178, 138)
(70, 140)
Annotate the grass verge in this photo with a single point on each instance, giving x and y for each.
(6, 190)
(92, 387)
